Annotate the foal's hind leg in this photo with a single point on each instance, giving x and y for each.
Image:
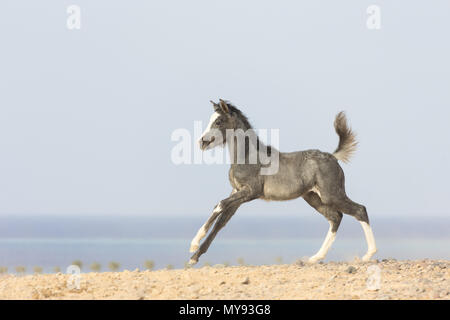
(360, 213)
(334, 218)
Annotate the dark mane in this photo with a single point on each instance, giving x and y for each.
(240, 115)
(247, 124)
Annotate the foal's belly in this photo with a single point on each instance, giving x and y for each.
(278, 191)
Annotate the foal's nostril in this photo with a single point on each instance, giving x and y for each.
(204, 143)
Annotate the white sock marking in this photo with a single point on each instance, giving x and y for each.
(329, 239)
(196, 241)
(203, 231)
(218, 208)
(371, 245)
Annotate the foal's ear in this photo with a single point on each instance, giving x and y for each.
(215, 105)
(224, 106)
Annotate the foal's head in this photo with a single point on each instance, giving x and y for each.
(225, 117)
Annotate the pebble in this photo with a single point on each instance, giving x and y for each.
(351, 269)
(299, 263)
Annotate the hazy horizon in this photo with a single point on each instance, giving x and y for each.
(184, 227)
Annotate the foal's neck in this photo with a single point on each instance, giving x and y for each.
(253, 143)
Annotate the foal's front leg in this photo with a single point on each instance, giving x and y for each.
(225, 209)
(195, 243)
(204, 229)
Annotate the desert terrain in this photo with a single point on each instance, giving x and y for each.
(386, 279)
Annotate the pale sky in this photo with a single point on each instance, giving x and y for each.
(86, 115)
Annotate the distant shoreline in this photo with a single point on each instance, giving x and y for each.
(58, 253)
(303, 224)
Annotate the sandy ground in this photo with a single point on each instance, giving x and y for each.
(421, 279)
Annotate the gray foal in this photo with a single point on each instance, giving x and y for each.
(312, 174)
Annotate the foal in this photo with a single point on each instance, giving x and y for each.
(312, 174)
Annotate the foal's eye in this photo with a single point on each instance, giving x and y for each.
(219, 122)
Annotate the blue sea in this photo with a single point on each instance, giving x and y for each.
(51, 242)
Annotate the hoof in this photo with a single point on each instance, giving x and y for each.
(368, 256)
(315, 259)
(192, 262)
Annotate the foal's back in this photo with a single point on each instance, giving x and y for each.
(300, 172)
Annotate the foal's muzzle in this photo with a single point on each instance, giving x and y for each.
(204, 143)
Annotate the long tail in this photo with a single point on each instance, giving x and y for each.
(347, 138)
